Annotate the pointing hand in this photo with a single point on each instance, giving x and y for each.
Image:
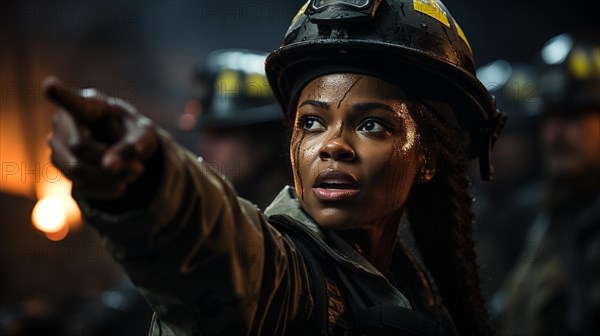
(101, 143)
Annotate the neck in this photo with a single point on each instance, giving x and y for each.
(375, 242)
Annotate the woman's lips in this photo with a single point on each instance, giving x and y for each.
(333, 194)
(334, 185)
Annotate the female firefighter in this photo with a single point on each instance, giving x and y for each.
(386, 111)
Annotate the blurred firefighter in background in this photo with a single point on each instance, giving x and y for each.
(516, 184)
(240, 123)
(554, 289)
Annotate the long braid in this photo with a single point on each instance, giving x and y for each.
(442, 221)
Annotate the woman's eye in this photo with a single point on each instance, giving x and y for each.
(374, 126)
(311, 124)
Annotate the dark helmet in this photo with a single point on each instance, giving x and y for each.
(232, 90)
(515, 90)
(569, 74)
(414, 44)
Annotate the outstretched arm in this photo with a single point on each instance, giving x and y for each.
(208, 262)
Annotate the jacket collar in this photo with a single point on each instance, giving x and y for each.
(286, 203)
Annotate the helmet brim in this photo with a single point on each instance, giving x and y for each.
(423, 75)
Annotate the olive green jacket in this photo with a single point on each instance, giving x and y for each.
(210, 263)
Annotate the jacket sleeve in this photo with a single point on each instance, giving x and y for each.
(207, 261)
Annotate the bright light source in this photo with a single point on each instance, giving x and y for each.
(494, 75)
(72, 211)
(58, 187)
(557, 49)
(49, 215)
(58, 235)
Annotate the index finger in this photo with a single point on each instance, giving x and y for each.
(85, 108)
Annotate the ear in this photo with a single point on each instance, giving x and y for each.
(428, 165)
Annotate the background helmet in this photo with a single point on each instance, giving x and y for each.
(515, 90)
(416, 45)
(232, 90)
(569, 74)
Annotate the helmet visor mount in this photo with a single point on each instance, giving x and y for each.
(338, 11)
(359, 4)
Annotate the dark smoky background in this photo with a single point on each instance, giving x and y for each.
(55, 277)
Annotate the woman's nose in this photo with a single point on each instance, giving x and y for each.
(338, 149)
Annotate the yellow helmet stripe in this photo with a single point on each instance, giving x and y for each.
(432, 9)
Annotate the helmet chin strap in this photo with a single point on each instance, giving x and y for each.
(496, 124)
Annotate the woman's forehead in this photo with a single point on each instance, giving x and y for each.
(349, 85)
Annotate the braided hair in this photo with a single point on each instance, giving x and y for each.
(444, 237)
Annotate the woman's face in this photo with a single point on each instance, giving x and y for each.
(354, 151)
